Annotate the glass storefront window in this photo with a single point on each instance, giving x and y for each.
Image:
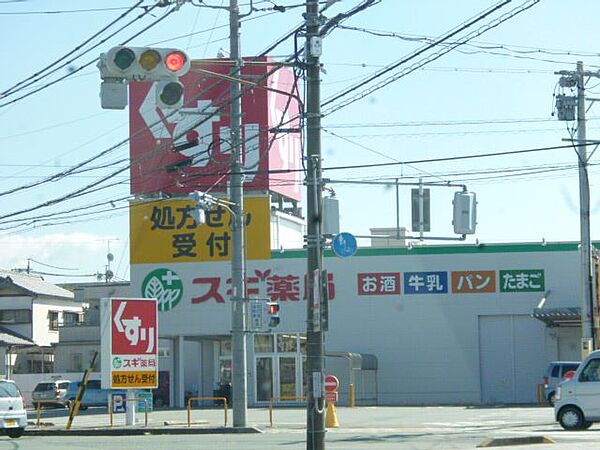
(287, 378)
(264, 379)
(263, 343)
(303, 344)
(225, 371)
(287, 343)
(304, 377)
(226, 347)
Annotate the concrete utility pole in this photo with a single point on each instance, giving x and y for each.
(238, 271)
(315, 354)
(584, 201)
(572, 79)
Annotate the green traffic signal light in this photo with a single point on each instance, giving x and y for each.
(124, 58)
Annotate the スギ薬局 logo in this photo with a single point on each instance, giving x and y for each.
(165, 286)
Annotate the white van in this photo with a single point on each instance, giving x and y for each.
(577, 400)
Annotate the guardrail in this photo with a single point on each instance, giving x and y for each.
(39, 408)
(145, 400)
(283, 397)
(189, 407)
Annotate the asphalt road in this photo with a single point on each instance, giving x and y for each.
(360, 428)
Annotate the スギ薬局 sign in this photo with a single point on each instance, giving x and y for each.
(129, 343)
(179, 151)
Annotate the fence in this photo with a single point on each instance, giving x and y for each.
(189, 407)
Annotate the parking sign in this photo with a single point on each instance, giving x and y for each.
(129, 341)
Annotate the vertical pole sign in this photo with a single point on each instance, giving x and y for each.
(129, 344)
(316, 300)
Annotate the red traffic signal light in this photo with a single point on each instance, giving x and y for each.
(175, 61)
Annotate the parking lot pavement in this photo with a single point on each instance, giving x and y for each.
(361, 427)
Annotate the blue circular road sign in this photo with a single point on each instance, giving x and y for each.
(344, 245)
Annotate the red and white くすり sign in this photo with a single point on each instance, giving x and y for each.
(129, 341)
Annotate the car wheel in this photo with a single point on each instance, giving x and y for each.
(15, 433)
(586, 425)
(571, 418)
(551, 398)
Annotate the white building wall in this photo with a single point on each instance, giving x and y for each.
(42, 335)
(20, 302)
(193, 374)
(431, 342)
(286, 231)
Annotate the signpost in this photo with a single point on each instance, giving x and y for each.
(332, 384)
(129, 343)
(331, 395)
(118, 403)
(344, 245)
(316, 306)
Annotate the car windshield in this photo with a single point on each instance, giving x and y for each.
(44, 387)
(8, 389)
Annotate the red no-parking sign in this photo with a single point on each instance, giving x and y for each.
(129, 338)
(332, 383)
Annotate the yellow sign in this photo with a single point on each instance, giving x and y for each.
(164, 231)
(146, 379)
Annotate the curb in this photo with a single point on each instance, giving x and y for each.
(139, 431)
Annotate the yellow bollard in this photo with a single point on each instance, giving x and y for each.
(331, 419)
(352, 396)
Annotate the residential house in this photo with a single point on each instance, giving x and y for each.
(79, 341)
(31, 311)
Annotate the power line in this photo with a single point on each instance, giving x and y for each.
(501, 173)
(522, 49)
(48, 265)
(75, 70)
(428, 59)
(65, 11)
(28, 81)
(86, 188)
(444, 123)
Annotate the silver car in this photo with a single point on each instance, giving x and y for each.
(13, 416)
(555, 373)
(50, 393)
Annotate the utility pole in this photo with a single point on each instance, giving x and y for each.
(315, 346)
(238, 271)
(577, 79)
(584, 201)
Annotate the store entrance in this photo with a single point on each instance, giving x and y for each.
(264, 378)
(278, 367)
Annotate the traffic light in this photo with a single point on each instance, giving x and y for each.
(143, 63)
(123, 64)
(169, 94)
(273, 313)
(465, 212)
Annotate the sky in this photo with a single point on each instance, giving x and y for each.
(491, 95)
